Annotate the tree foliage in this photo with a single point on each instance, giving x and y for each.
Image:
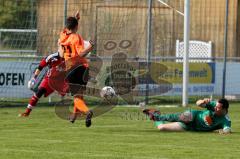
(17, 14)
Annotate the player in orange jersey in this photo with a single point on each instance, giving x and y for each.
(74, 52)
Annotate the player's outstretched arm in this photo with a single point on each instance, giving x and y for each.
(33, 80)
(202, 102)
(36, 73)
(77, 15)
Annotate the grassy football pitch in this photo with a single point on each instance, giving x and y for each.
(122, 133)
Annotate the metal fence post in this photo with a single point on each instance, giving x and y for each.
(65, 11)
(149, 48)
(225, 50)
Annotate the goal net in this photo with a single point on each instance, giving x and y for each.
(119, 27)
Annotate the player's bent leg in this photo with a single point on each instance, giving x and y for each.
(185, 117)
(173, 127)
(33, 102)
(77, 79)
(74, 115)
(82, 107)
(80, 104)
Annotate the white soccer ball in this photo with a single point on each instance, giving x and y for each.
(107, 92)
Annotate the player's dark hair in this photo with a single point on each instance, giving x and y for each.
(224, 102)
(71, 23)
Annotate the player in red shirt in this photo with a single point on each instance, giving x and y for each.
(44, 88)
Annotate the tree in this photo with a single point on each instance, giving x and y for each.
(18, 14)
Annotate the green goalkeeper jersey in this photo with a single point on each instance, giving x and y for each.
(207, 121)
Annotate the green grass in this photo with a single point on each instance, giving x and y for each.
(113, 135)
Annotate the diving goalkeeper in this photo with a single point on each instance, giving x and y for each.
(215, 117)
(50, 61)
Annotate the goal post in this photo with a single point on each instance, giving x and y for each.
(186, 52)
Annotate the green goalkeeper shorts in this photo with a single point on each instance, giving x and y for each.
(191, 126)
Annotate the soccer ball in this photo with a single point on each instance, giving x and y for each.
(107, 92)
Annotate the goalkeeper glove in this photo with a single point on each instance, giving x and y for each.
(31, 83)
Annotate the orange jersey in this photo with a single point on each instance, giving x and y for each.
(73, 45)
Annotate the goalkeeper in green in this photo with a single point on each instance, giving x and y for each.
(215, 117)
